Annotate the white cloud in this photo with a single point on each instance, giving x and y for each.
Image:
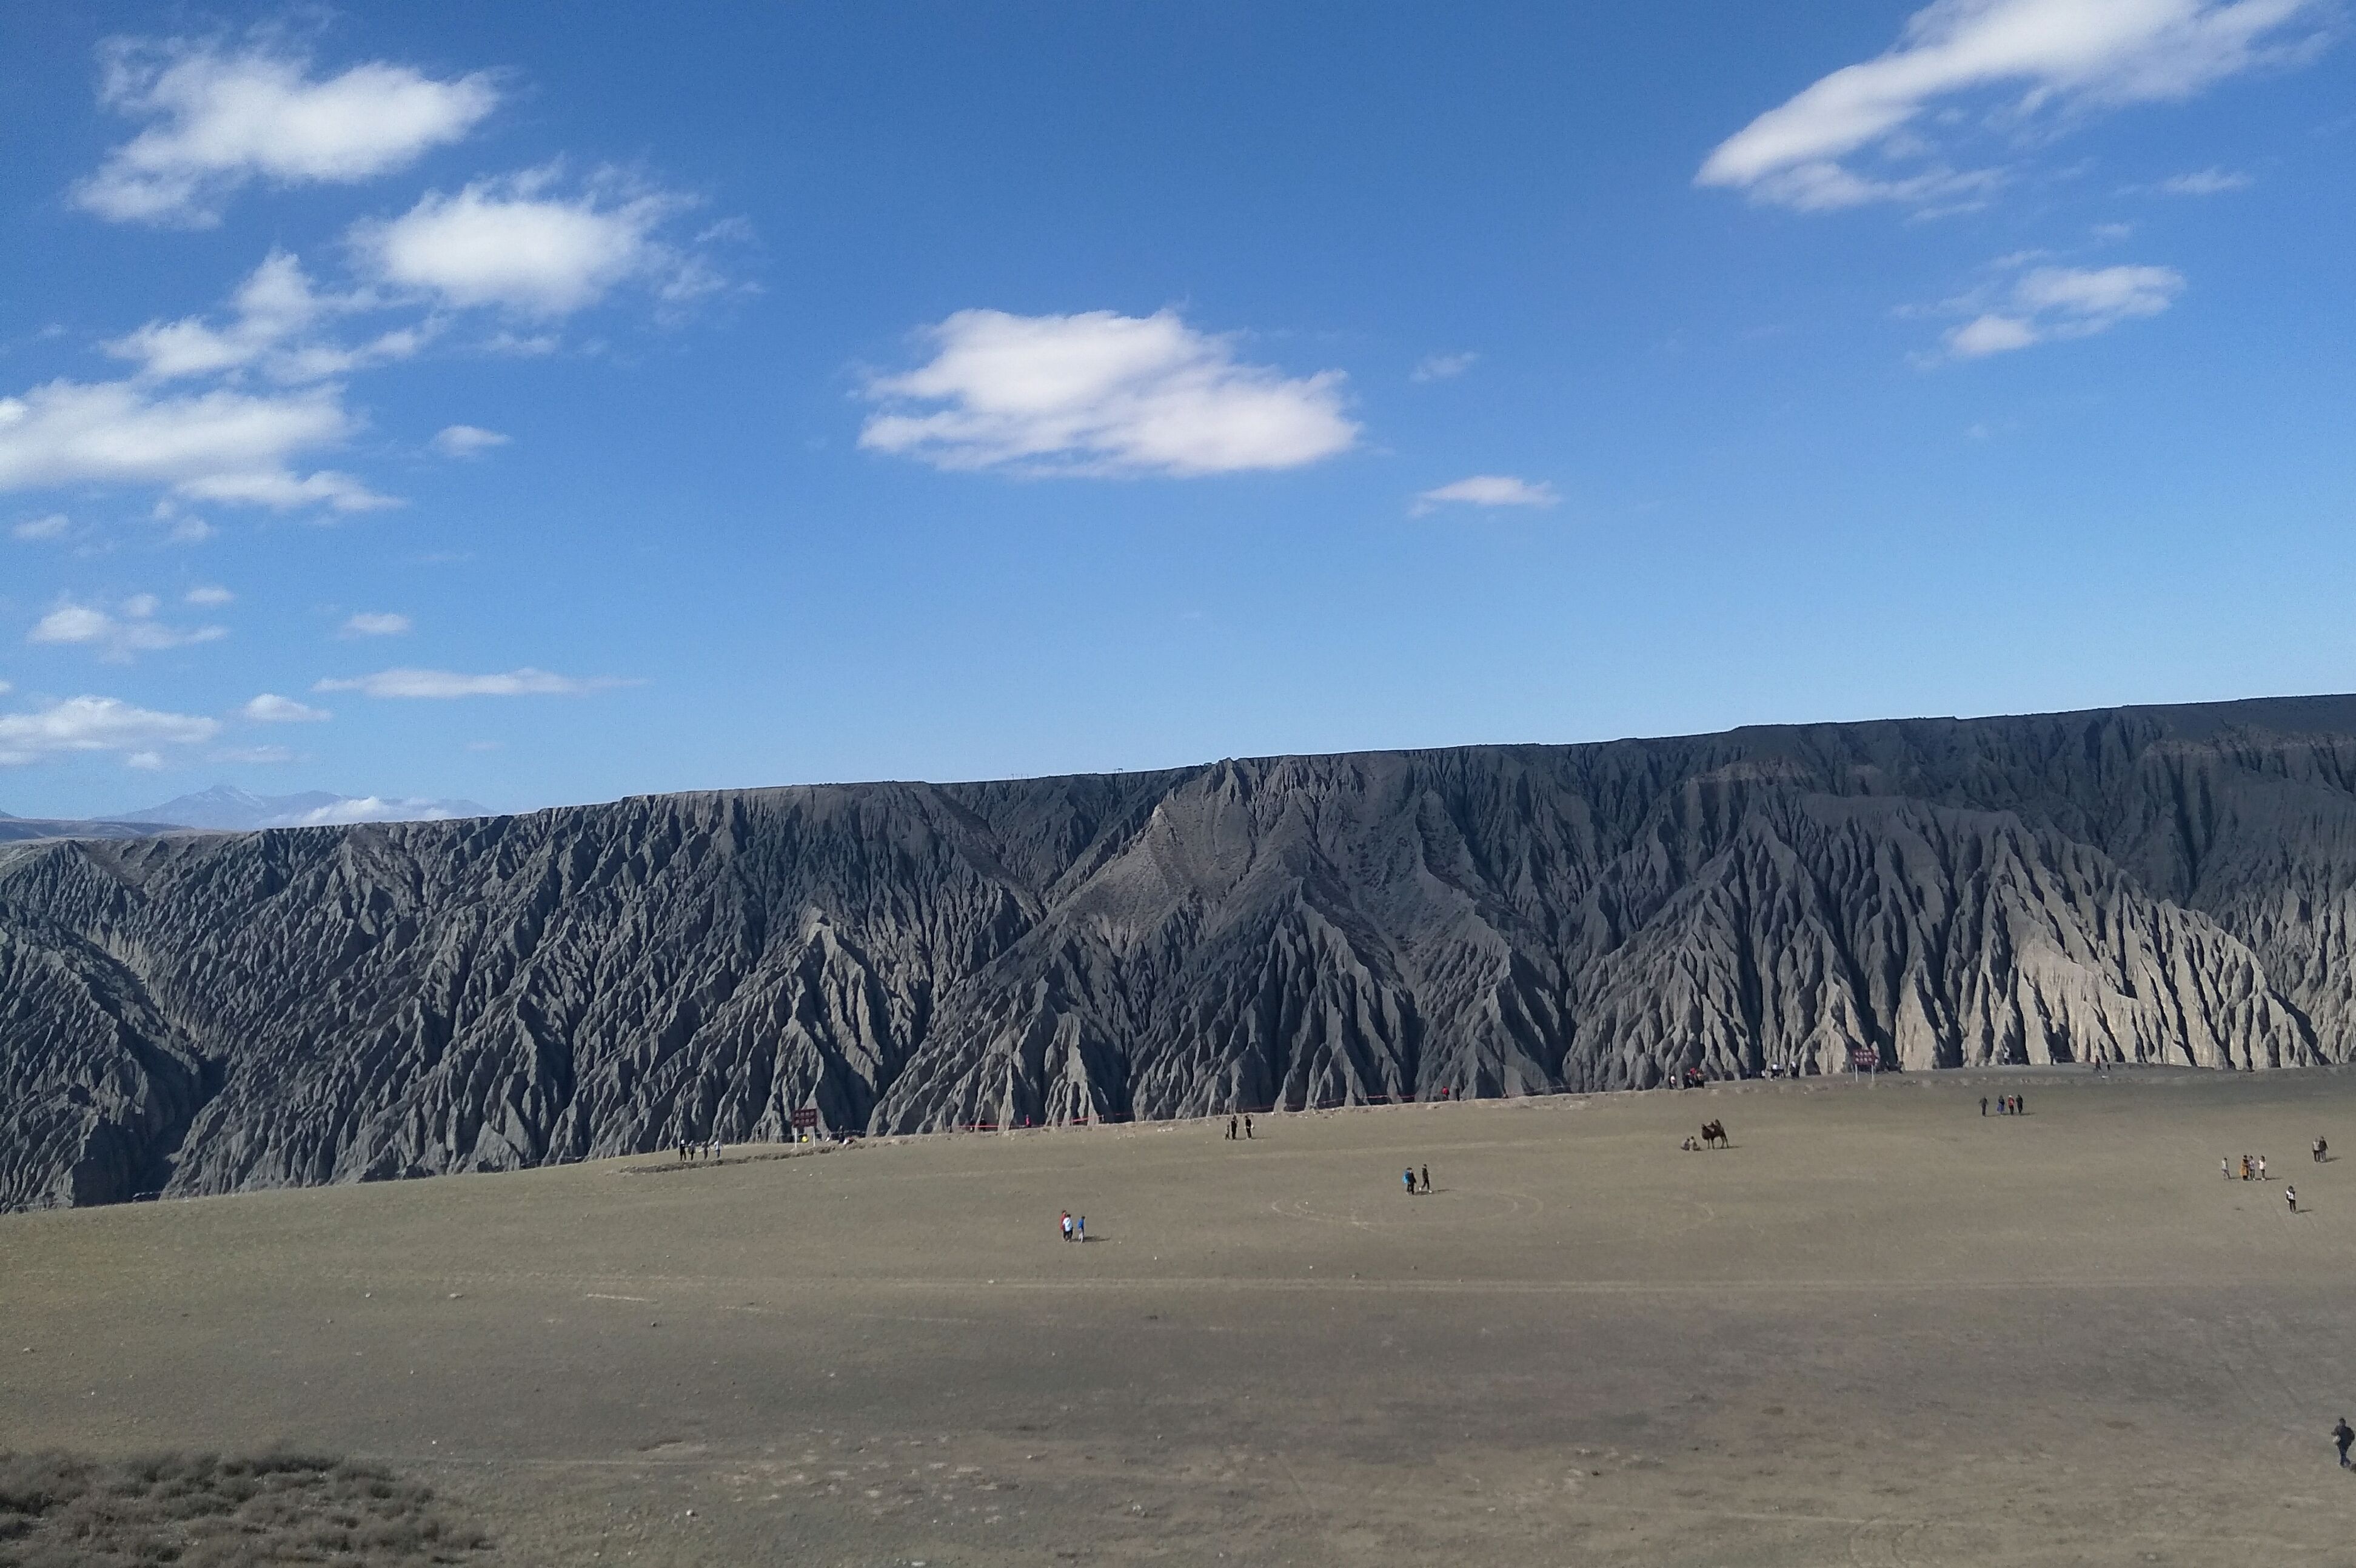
(1442, 366)
(120, 634)
(513, 243)
(270, 708)
(98, 724)
(274, 303)
(208, 595)
(2205, 182)
(255, 755)
(2050, 302)
(376, 623)
(283, 492)
(1990, 334)
(2079, 54)
(218, 118)
(1101, 393)
(1488, 491)
(370, 809)
(524, 683)
(466, 440)
(274, 308)
(53, 526)
(188, 531)
(218, 446)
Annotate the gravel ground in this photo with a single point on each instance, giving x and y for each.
(1878, 1329)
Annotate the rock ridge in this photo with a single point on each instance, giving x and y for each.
(208, 1013)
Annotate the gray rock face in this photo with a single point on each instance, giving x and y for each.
(207, 1013)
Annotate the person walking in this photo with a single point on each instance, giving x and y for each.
(1426, 1179)
(2261, 1168)
(1983, 1104)
(2019, 1105)
(1247, 1129)
(1409, 1176)
(1067, 1225)
(2225, 1169)
(1080, 1229)
(2342, 1434)
(2290, 1196)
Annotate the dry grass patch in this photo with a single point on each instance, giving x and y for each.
(210, 1510)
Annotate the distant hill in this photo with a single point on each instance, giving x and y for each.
(227, 808)
(18, 829)
(224, 808)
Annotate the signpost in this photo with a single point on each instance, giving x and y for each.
(805, 1123)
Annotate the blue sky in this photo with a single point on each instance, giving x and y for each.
(413, 403)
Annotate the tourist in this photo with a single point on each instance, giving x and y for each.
(1247, 1128)
(2225, 1169)
(2290, 1197)
(2261, 1168)
(1983, 1104)
(2342, 1435)
(1426, 1179)
(1067, 1225)
(1080, 1229)
(1409, 1176)
(2318, 1151)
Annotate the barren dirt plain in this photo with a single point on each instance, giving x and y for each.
(1878, 1329)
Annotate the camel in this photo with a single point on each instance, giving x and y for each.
(1713, 1133)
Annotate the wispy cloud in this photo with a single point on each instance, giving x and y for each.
(217, 119)
(1442, 366)
(1487, 490)
(275, 312)
(2043, 55)
(1101, 393)
(81, 725)
(119, 635)
(2205, 182)
(445, 683)
(270, 708)
(2050, 302)
(53, 526)
(466, 441)
(376, 623)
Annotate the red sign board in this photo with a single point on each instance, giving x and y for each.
(806, 1118)
(1864, 1059)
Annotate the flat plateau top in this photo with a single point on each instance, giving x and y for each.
(1880, 1329)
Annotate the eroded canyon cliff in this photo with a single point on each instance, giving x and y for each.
(207, 1013)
